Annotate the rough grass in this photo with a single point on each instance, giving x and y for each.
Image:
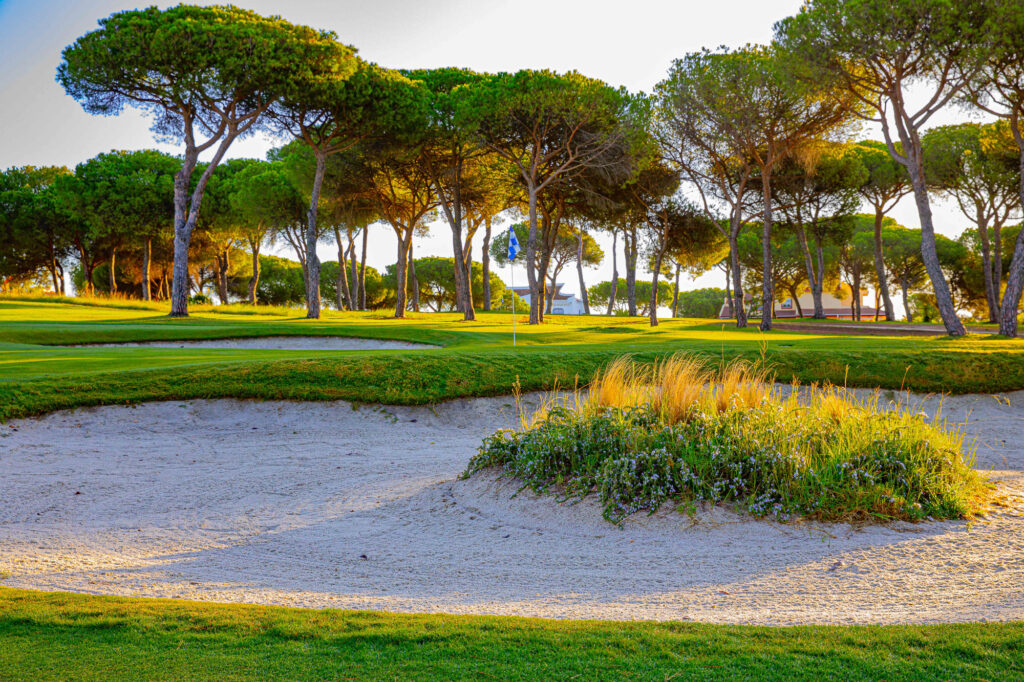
(55, 636)
(680, 430)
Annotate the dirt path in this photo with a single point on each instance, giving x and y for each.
(325, 505)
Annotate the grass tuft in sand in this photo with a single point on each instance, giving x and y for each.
(681, 430)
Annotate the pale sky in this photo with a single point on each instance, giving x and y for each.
(623, 43)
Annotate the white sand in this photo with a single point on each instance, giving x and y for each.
(320, 504)
(276, 343)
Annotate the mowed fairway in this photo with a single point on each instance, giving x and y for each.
(49, 635)
(40, 373)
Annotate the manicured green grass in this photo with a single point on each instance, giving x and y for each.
(54, 636)
(38, 374)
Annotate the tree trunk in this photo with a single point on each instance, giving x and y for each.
(615, 274)
(341, 289)
(222, 276)
(531, 255)
(739, 302)
(312, 260)
(186, 212)
(929, 254)
(113, 276)
(728, 286)
(579, 272)
(362, 271)
(883, 282)
(675, 294)
(653, 307)
(549, 294)
(991, 295)
(856, 292)
(1015, 275)
(413, 281)
(904, 285)
(796, 302)
(767, 283)
(401, 265)
(468, 265)
(354, 275)
(631, 255)
(147, 252)
(997, 261)
(254, 281)
(485, 262)
(814, 277)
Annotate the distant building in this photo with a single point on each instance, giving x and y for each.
(836, 304)
(561, 304)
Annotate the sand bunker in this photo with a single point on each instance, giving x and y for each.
(278, 343)
(324, 505)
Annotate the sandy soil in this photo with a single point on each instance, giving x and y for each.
(321, 504)
(277, 343)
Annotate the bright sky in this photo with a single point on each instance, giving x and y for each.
(624, 43)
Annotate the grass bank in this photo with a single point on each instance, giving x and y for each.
(57, 636)
(39, 372)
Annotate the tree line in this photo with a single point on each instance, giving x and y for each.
(739, 159)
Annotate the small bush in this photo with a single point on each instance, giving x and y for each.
(199, 299)
(679, 431)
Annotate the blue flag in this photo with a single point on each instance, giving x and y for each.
(513, 244)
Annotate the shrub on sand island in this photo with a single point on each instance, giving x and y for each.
(683, 432)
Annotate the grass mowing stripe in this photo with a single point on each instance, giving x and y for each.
(82, 637)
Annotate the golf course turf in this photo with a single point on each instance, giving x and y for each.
(70, 636)
(39, 373)
(83, 637)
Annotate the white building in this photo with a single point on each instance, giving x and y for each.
(561, 304)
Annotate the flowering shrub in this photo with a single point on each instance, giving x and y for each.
(825, 456)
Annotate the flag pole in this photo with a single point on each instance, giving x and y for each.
(512, 279)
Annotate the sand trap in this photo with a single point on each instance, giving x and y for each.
(276, 343)
(323, 505)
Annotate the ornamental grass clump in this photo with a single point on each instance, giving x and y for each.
(685, 432)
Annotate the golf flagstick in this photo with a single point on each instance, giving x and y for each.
(512, 280)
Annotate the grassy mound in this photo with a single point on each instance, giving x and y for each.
(643, 435)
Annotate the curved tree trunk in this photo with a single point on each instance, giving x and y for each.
(929, 254)
(991, 293)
